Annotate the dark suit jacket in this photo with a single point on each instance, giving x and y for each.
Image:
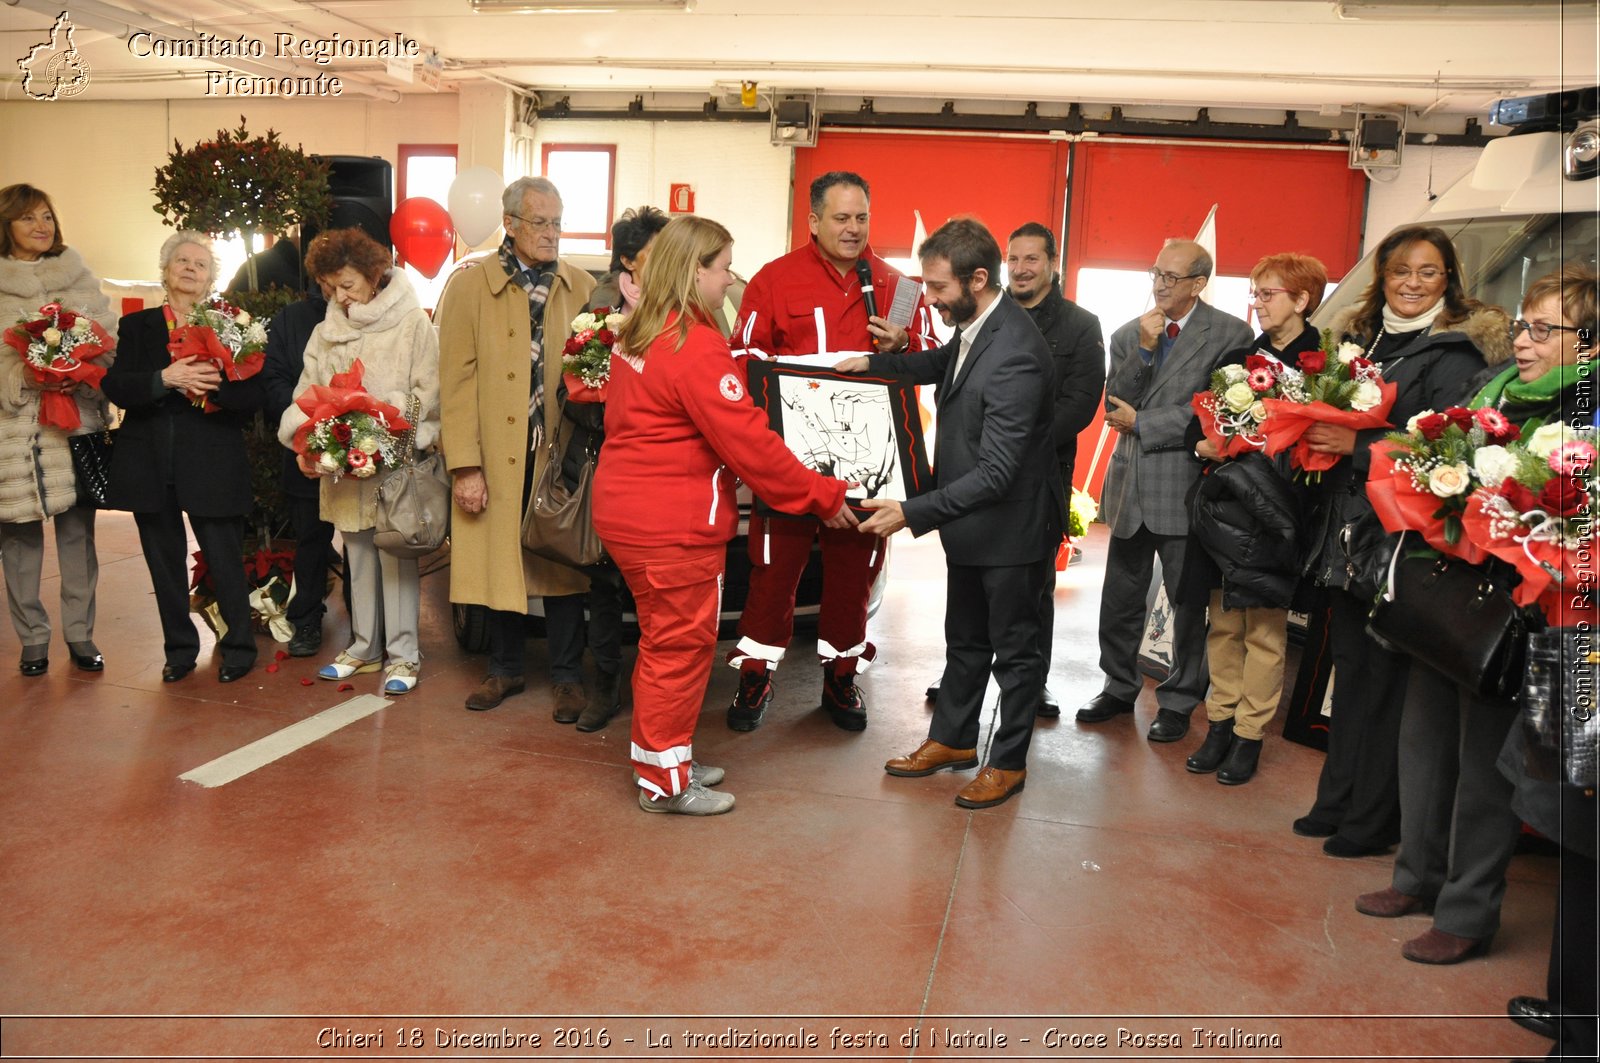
(998, 499)
(165, 439)
(287, 337)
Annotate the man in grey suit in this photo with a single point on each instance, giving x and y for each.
(997, 503)
(1158, 362)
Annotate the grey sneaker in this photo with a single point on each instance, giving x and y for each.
(699, 775)
(695, 801)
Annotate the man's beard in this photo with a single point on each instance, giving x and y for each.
(961, 311)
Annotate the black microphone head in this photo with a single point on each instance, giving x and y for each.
(864, 272)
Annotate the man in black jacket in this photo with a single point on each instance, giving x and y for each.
(1078, 356)
(287, 336)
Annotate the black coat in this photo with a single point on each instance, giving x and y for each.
(1078, 354)
(165, 439)
(287, 337)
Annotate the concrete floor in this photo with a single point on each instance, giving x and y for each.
(366, 893)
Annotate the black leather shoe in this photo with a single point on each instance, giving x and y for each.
(38, 663)
(1307, 827)
(933, 689)
(86, 656)
(1240, 766)
(174, 672)
(1345, 849)
(1219, 737)
(307, 640)
(1169, 726)
(232, 673)
(1049, 708)
(1533, 1013)
(1103, 707)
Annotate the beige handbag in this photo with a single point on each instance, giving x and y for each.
(413, 499)
(559, 523)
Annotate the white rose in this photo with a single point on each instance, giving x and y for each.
(1239, 397)
(1367, 395)
(1493, 464)
(81, 327)
(242, 318)
(1447, 481)
(1411, 425)
(51, 337)
(368, 445)
(1258, 412)
(364, 471)
(1234, 374)
(1348, 352)
(613, 321)
(1547, 439)
(326, 463)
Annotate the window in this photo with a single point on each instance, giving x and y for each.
(586, 175)
(427, 171)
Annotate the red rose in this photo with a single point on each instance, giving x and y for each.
(1313, 361)
(341, 432)
(1256, 362)
(1460, 416)
(66, 319)
(1432, 426)
(1562, 496)
(572, 346)
(36, 328)
(606, 337)
(1520, 497)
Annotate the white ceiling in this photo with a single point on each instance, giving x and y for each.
(1294, 54)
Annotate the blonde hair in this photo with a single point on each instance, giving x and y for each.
(678, 252)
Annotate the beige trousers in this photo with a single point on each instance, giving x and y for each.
(1245, 650)
(22, 546)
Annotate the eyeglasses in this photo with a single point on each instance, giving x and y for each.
(1261, 295)
(1427, 274)
(1167, 280)
(1538, 330)
(540, 224)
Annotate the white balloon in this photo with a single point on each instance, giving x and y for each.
(474, 203)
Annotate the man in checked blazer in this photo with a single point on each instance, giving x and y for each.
(997, 503)
(1158, 362)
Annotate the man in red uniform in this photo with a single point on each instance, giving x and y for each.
(810, 302)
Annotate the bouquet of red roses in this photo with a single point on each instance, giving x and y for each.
(1422, 478)
(222, 334)
(586, 358)
(1232, 410)
(1537, 510)
(347, 429)
(58, 346)
(1336, 384)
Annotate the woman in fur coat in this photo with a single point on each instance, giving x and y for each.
(36, 476)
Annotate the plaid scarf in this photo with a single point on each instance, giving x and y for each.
(536, 282)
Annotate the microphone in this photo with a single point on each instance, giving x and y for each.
(868, 298)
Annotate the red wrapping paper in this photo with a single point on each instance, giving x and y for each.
(1205, 408)
(578, 391)
(342, 394)
(200, 342)
(1402, 507)
(57, 409)
(1538, 584)
(1287, 423)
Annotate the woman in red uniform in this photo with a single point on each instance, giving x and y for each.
(679, 430)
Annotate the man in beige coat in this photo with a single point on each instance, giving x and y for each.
(502, 323)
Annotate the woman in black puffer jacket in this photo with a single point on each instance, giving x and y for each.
(1243, 561)
(1429, 340)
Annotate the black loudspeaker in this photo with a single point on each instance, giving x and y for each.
(363, 194)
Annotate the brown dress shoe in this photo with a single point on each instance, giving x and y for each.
(992, 787)
(570, 702)
(930, 757)
(1438, 946)
(1390, 903)
(495, 689)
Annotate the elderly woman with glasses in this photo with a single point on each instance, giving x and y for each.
(1457, 827)
(1428, 339)
(1241, 564)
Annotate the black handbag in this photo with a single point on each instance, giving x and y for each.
(91, 466)
(1453, 617)
(1558, 706)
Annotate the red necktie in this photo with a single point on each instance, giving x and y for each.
(1172, 330)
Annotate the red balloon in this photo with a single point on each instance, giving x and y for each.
(422, 234)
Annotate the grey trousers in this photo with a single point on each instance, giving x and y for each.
(22, 547)
(1457, 830)
(385, 602)
(1129, 563)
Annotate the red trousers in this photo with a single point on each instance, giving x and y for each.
(779, 550)
(677, 593)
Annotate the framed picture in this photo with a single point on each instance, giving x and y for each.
(863, 428)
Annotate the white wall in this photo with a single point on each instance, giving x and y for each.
(1423, 168)
(106, 201)
(739, 178)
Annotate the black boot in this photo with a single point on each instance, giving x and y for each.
(605, 700)
(1219, 736)
(1240, 767)
(842, 701)
(750, 703)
